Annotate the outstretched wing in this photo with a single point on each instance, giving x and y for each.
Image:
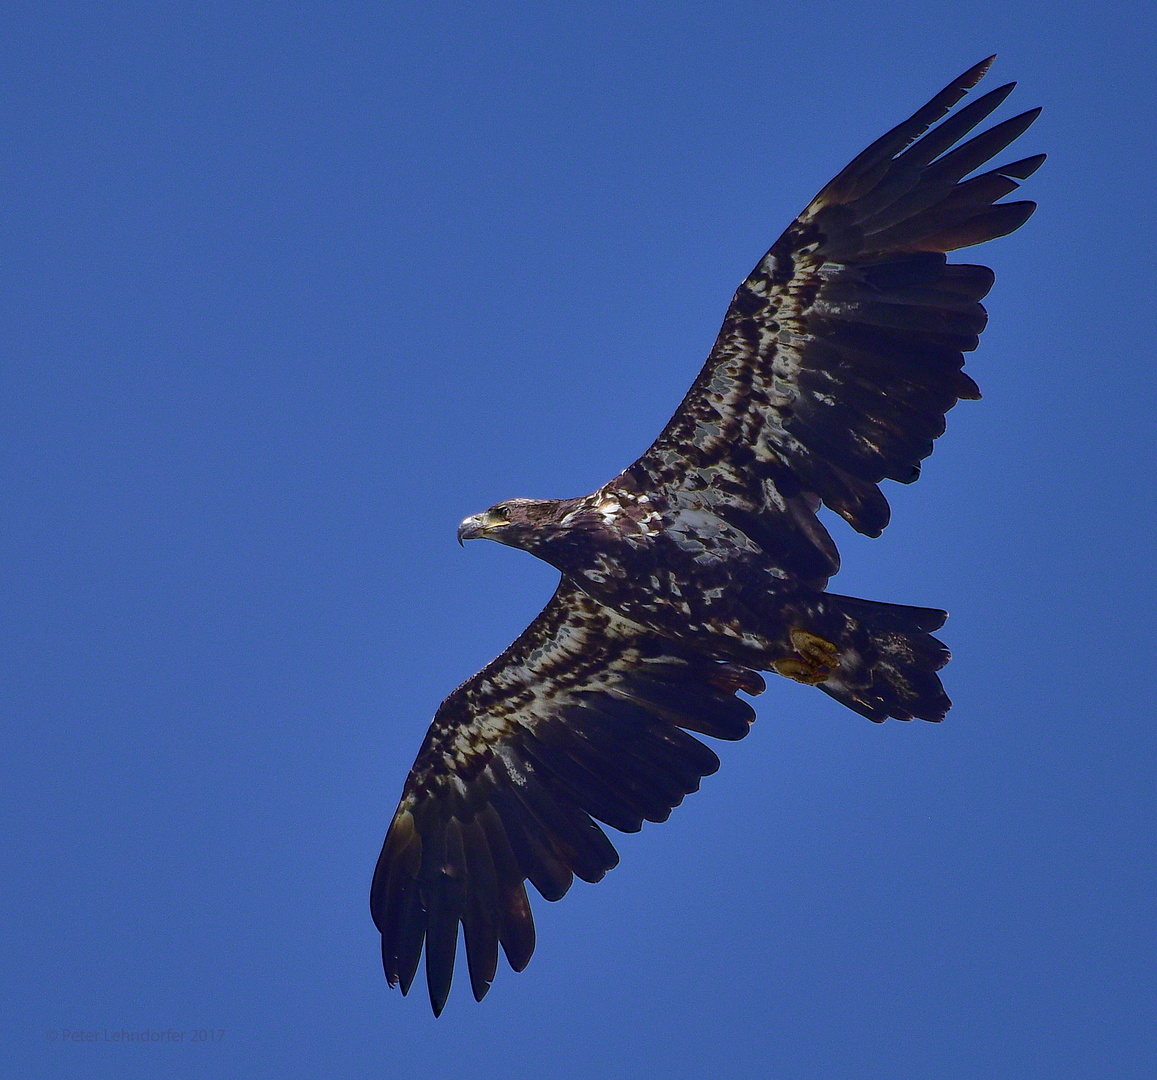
(842, 351)
(581, 717)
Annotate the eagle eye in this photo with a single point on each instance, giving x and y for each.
(501, 512)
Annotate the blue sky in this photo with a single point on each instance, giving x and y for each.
(288, 290)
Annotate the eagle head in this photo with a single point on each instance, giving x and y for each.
(520, 523)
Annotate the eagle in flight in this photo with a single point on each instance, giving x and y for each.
(704, 563)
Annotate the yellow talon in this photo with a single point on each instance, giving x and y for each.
(815, 660)
(814, 647)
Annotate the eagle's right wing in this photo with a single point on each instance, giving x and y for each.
(581, 717)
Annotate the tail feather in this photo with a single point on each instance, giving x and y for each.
(888, 658)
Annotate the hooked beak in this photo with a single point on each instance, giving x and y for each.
(471, 528)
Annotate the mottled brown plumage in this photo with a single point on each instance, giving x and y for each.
(704, 562)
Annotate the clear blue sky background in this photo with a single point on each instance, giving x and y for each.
(288, 290)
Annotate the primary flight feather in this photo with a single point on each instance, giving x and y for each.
(704, 563)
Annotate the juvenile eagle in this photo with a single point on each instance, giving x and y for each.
(704, 562)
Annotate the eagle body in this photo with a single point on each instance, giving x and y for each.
(681, 568)
(692, 562)
(704, 564)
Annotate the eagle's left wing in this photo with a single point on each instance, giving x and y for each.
(581, 717)
(842, 350)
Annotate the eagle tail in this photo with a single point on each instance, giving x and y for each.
(887, 656)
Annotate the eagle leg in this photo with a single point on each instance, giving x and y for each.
(814, 660)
